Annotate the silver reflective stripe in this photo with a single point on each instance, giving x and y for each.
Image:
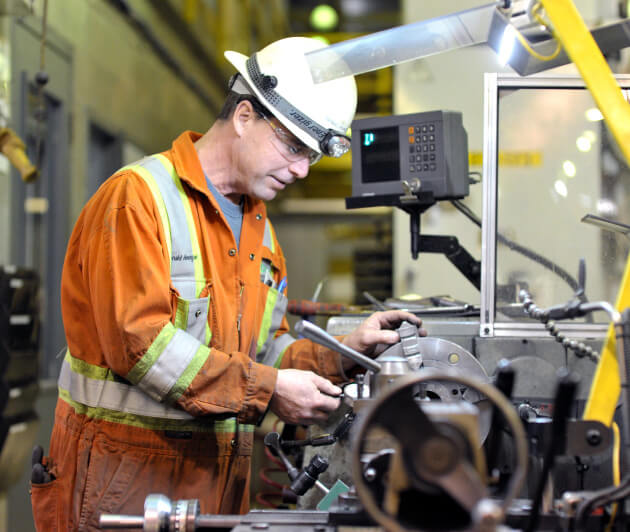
(277, 314)
(170, 365)
(275, 349)
(114, 396)
(268, 237)
(182, 263)
(197, 318)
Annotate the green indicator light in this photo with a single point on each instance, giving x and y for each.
(368, 139)
(324, 17)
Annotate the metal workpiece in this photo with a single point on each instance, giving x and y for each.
(321, 337)
(163, 515)
(270, 520)
(160, 515)
(117, 521)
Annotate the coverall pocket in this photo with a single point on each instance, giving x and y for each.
(192, 317)
(44, 499)
(109, 478)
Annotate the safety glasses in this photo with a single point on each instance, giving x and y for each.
(289, 146)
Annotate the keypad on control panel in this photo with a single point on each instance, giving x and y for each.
(422, 148)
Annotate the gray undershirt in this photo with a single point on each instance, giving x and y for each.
(232, 212)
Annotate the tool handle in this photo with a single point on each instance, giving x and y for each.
(321, 337)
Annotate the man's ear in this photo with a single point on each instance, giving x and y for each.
(243, 116)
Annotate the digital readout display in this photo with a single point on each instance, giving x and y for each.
(380, 155)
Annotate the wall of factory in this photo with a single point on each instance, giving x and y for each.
(120, 85)
(455, 81)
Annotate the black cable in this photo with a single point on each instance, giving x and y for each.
(526, 252)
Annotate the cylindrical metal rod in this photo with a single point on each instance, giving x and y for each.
(217, 521)
(321, 337)
(322, 487)
(113, 521)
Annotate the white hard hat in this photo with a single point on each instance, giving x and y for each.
(279, 76)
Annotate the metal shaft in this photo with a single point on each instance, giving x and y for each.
(322, 487)
(321, 337)
(113, 521)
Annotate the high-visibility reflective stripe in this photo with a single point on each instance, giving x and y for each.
(148, 359)
(268, 236)
(275, 309)
(112, 395)
(194, 241)
(191, 316)
(148, 179)
(224, 426)
(182, 259)
(274, 352)
(171, 364)
(188, 374)
(265, 324)
(93, 372)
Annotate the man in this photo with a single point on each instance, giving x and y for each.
(173, 300)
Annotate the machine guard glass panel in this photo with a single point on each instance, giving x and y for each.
(550, 162)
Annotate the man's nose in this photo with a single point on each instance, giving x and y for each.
(300, 168)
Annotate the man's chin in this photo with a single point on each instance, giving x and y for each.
(266, 195)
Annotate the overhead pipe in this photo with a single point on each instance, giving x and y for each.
(163, 53)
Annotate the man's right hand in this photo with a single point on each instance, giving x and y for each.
(302, 397)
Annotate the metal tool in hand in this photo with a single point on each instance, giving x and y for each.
(321, 337)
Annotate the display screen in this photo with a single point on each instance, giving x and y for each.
(380, 155)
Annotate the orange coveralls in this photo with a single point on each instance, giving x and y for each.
(117, 297)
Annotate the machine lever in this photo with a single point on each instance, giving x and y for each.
(504, 382)
(302, 481)
(321, 337)
(272, 441)
(563, 401)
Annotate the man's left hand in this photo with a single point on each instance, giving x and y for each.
(375, 334)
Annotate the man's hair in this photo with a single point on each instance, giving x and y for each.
(234, 98)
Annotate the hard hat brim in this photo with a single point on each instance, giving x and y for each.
(239, 61)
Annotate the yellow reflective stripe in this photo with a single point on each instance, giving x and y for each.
(155, 350)
(89, 370)
(159, 201)
(265, 324)
(189, 374)
(224, 426)
(198, 265)
(181, 314)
